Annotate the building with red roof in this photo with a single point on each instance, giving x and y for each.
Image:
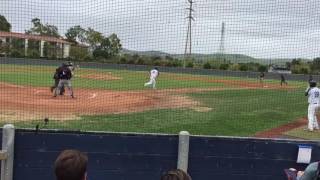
(6, 37)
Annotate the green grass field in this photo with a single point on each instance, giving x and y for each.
(232, 112)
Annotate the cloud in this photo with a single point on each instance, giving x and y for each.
(268, 29)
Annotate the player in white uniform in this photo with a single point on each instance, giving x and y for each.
(313, 93)
(154, 73)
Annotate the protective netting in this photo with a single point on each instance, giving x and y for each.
(209, 67)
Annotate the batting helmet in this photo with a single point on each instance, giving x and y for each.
(313, 83)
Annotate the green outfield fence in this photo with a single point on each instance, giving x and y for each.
(230, 68)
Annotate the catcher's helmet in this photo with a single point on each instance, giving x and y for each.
(70, 63)
(313, 83)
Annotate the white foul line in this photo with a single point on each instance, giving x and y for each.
(37, 91)
(92, 96)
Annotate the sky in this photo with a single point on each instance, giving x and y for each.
(258, 28)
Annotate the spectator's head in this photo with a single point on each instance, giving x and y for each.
(176, 174)
(71, 165)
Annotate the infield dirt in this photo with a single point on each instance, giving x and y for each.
(21, 103)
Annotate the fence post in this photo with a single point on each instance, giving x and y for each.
(183, 151)
(8, 148)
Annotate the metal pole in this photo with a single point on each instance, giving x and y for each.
(190, 30)
(8, 147)
(186, 48)
(189, 33)
(183, 151)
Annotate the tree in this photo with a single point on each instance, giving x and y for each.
(76, 35)
(102, 49)
(4, 24)
(224, 66)
(288, 65)
(99, 45)
(262, 68)
(156, 58)
(315, 66)
(207, 65)
(40, 29)
(93, 38)
(243, 67)
(115, 45)
(79, 53)
(296, 62)
(109, 47)
(170, 58)
(190, 64)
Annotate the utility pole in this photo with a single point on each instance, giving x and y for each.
(188, 46)
(221, 48)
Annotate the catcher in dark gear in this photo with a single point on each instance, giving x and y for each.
(57, 79)
(65, 76)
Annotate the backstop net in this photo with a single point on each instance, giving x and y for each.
(233, 68)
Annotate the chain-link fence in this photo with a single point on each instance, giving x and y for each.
(235, 68)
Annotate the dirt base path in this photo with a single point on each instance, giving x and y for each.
(278, 132)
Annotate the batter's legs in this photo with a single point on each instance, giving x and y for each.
(315, 120)
(154, 84)
(57, 89)
(56, 83)
(151, 82)
(70, 88)
(312, 119)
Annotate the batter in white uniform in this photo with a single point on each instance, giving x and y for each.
(313, 94)
(154, 73)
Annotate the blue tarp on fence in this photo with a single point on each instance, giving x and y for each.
(120, 156)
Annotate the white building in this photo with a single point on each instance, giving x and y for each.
(6, 37)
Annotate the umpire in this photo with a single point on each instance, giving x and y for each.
(57, 79)
(64, 75)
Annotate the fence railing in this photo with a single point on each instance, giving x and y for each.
(7, 152)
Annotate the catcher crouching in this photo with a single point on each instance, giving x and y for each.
(64, 75)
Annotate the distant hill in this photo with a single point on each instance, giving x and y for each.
(239, 58)
(233, 58)
(145, 53)
(281, 61)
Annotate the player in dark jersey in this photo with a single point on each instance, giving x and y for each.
(65, 75)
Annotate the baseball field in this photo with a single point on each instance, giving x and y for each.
(117, 101)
